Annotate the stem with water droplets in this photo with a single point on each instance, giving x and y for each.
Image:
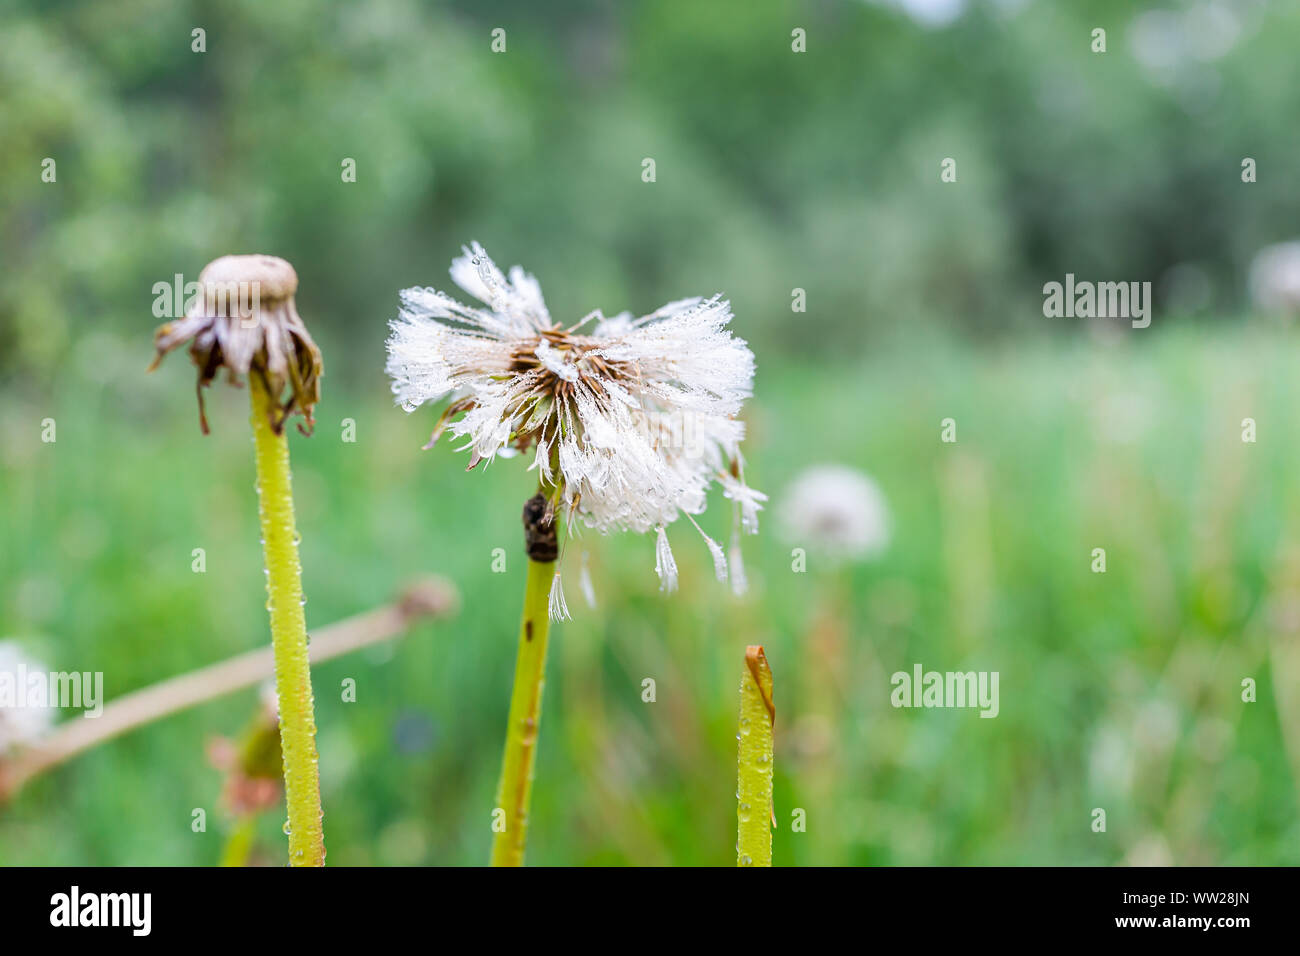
(288, 632)
(510, 823)
(754, 811)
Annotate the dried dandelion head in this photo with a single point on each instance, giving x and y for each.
(628, 422)
(244, 320)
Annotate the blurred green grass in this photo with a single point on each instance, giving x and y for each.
(1118, 690)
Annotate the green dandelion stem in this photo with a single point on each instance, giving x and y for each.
(511, 833)
(755, 815)
(239, 842)
(288, 631)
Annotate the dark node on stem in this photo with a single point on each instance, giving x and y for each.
(540, 540)
(528, 630)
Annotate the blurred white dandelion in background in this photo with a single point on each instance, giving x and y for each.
(1275, 278)
(22, 722)
(928, 13)
(837, 511)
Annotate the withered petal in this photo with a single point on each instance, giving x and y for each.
(172, 334)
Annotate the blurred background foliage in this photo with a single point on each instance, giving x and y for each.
(775, 171)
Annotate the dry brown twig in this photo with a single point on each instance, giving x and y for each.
(428, 598)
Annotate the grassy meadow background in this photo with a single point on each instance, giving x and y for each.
(775, 171)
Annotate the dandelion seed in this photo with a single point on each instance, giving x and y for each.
(715, 549)
(739, 583)
(665, 566)
(584, 582)
(749, 501)
(556, 608)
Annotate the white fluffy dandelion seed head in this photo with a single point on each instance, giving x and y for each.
(631, 419)
(836, 510)
(21, 725)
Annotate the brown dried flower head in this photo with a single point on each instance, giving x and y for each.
(244, 320)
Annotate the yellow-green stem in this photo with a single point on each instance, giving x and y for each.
(754, 812)
(239, 842)
(511, 832)
(288, 633)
